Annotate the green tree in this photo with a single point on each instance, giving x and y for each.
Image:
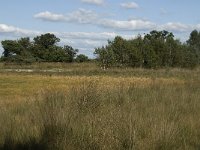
(17, 50)
(43, 49)
(70, 52)
(10, 48)
(105, 56)
(46, 40)
(120, 50)
(194, 44)
(43, 46)
(194, 38)
(160, 45)
(82, 58)
(134, 52)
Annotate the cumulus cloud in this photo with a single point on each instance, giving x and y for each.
(6, 29)
(81, 16)
(197, 27)
(87, 35)
(179, 27)
(129, 5)
(93, 2)
(176, 27)
(48, 16)
(15, 31)
(130, 25)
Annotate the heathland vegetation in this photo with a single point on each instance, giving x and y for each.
(47, 103)
(84, 107)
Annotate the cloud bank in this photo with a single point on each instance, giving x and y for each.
(82, 16)
(15, 31)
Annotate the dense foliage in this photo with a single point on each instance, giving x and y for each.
(155, 50)
(82, 58)
(44, 48)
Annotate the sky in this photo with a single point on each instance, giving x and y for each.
(87, 24)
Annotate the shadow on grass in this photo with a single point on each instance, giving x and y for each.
(31, 145)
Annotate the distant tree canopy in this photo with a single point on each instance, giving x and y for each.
(155, 50)
(194, 43)
(82, 58)
(43, 48)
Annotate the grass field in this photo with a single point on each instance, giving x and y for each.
(80, 106)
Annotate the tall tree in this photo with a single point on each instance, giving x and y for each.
(105, 56)
(70, 52)
(134, 52)
(119, 48)
(46, 40)
(82, 58)
(44, 45)
(17, 50)
(194, 43)
(157, 49)
(43, 48)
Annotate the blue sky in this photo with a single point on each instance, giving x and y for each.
(86, 24)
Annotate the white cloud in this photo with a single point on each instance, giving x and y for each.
(81, 16)
(93, 43)
(15, 31)
(130, 25)
(197, 27)
(179, 27)
(94, 2)
(130, 5)
(88, 35)
(176, 27)
(6, 29)
(48, 16)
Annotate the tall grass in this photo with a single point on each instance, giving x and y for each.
(91, 69)
(91, 115)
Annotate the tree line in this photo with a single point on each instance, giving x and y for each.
(43, 48)
(156, 49)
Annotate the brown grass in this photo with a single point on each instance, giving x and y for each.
(15, 86)
(154, 111)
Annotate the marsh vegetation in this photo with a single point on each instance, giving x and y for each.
(86, 108)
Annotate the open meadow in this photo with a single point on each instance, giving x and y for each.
(80, 106)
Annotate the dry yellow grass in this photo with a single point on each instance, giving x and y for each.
(135, 109)
(17, 87)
